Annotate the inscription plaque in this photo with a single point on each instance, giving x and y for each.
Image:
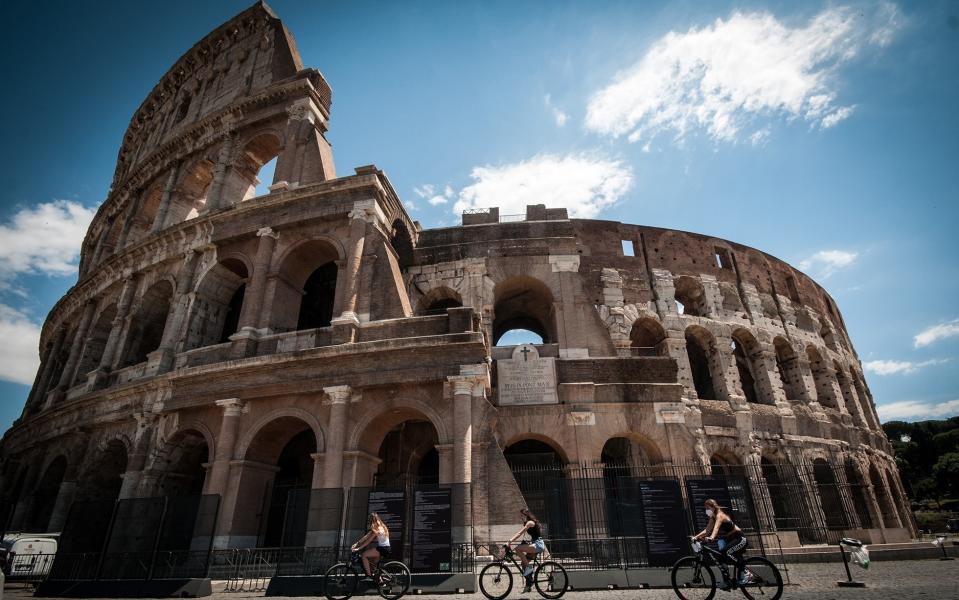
(527, 378)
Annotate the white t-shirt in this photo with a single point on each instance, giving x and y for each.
(382, 540)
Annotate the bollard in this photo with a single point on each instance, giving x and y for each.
(850, 582)
(941, 542)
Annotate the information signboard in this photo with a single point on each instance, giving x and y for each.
(665, 517)
(432, 530)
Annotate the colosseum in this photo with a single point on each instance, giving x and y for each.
(316, 340)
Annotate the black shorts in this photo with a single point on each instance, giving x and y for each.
(384, 551)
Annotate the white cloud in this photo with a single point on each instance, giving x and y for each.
(45, 238)
(722, 76)
(759, 137)
(897, 367)
(915, 410)
(559, 116)
(935, 333)
(437, 200)
(19, 357)
(584, 184)
(424, 191)
(826, 262)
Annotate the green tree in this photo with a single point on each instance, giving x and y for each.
(946, 472)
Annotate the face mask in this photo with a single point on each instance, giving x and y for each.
(709, 512)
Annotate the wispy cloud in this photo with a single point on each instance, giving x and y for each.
(721, 77)
(559, 116)
(19, 357)
(912, 410)
(583, 183)
(826, 262)
(900, 367)
(45, 239)
(931, 335)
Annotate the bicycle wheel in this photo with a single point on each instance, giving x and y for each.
(394, 580)
(763, 580)
(551, 580)
(340, 582)
(496, 581)
(692, 580)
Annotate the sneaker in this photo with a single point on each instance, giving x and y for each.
(527, 588)
(746, 578)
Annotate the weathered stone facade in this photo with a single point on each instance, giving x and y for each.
(218, 341)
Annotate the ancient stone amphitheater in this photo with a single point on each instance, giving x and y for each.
(315, 336)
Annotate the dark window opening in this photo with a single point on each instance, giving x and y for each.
(316, 309)
(791, 287)
(723, 259)
(232, 319)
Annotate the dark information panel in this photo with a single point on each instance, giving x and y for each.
(701, 489)
(390, 505)
(432, 530)
(665, 516)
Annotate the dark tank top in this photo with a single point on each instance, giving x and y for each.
(534, 531)
(726, 528)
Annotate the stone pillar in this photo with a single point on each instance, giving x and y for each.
(111, 351)
(339, 398)
(175, 328)
(160, 220)
(345, 324)
(39, 391)
(219, 472)
(462, 390)
(76, 348)
(319, 459)
(224, 164)
(766, 374)
(136, 463)
(58, 518)
(21, 512)
(251, 317)
(761, 497)
(101, 243)
(725, 374)
(445, 452)
(676, 347)
(340, 291)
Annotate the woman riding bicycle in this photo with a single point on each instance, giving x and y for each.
(538, 546)
(371, 553)
(727, 535)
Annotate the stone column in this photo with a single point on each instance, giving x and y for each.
(339, 398)
(319, 459)
(219, 472)
(340, 291)
(224, 163)
(725, 375)
(174, 329)
(143, 442)
(61, 508)
(76, 348)
(111, 351)
(766, 374)
(251, 318)
(39, 391)
(676, 347)
(345, 324)
(21, 511)
(160, 220)
(761, 497)
(101, 242)
(462, 390)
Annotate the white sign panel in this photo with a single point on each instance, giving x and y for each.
(526, 378)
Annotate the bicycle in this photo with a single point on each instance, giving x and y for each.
(391, 578)
(693, 579)
(496, 578)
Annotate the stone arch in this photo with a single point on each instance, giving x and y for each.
(899, 498)
(96, 342)
(538, 466)
(690, 297)
(111, 243)
(857, 492)
(146, 328)
(259, 149)
(630, 448)
(787, 364)
(704, 362)
(724, 461)
(46, 492)
(408, 455)
(648, 338)
(103, 475)
(553, 445)
(438, 299)
(180, 463)
(288, 413)
(190, 195)
(748, 356)
(825, 393)
(402, 243)
(849, 398)
(827, 334)
(142, 221)
(786, 494)
(306, 287)
(865, 399)
(830, 498)
(215, 311)
(369, 430)
(523, 302)
(887, 509)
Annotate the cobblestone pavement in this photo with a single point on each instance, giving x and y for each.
(897, 580)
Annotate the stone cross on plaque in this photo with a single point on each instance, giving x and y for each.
(526, 378)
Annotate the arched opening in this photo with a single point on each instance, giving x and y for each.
(539, 471)
(744, 348)
(858, 493)
(886, 509)
(787, 364)
(111, 242)
(849, 399)
(217, 305)
(265, 178)
(690, 297)
(726, 464)
(96, 343)
(279, 478)
(146, 213)
(104, 477)
(701, 349)
(623, 460)
(189, 196)
(306, 288)
(181, 466)
(316, 308)
(785, 494)
(247, 172)
(523, 303)
(827, 334)
(829, 496)
(825, 392)
(409, 457)
(865, 400)
(899, 498)
(146, 328)
(437, 300)
(402, 244)
(515, 337)
(45, 496)
(647, 338)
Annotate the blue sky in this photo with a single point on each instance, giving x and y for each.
(823, 133)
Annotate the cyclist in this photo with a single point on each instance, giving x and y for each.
(537, 546)
(727, 535)
(371, 553)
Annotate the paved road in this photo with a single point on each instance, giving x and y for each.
(895, 580)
